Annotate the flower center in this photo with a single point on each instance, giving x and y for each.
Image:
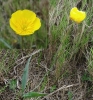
(24, 27)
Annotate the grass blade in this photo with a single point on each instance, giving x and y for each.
(5, 43)
(33, 94)
(25, 74)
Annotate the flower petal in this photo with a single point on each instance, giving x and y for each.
(17, 14)
(29, 15)
(37, 24)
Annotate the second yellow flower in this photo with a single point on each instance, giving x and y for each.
(76, 15)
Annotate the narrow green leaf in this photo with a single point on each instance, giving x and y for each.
(70, 95)
(33, 94)
(25, 74)
(5, 43)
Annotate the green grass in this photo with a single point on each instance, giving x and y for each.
(73, 42)
(71, 39)
(6, 64)
(67, 56)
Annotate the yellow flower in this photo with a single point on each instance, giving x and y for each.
(76, 15)
(24, 22)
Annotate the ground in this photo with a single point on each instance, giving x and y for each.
(61, 59)
(70, 86)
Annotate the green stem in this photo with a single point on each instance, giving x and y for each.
(22, 42)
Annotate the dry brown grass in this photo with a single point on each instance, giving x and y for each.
(71, 81)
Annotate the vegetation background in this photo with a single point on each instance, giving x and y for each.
(62, 64)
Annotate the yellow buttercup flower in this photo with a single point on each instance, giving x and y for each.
(24, 22)
(76, 15)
